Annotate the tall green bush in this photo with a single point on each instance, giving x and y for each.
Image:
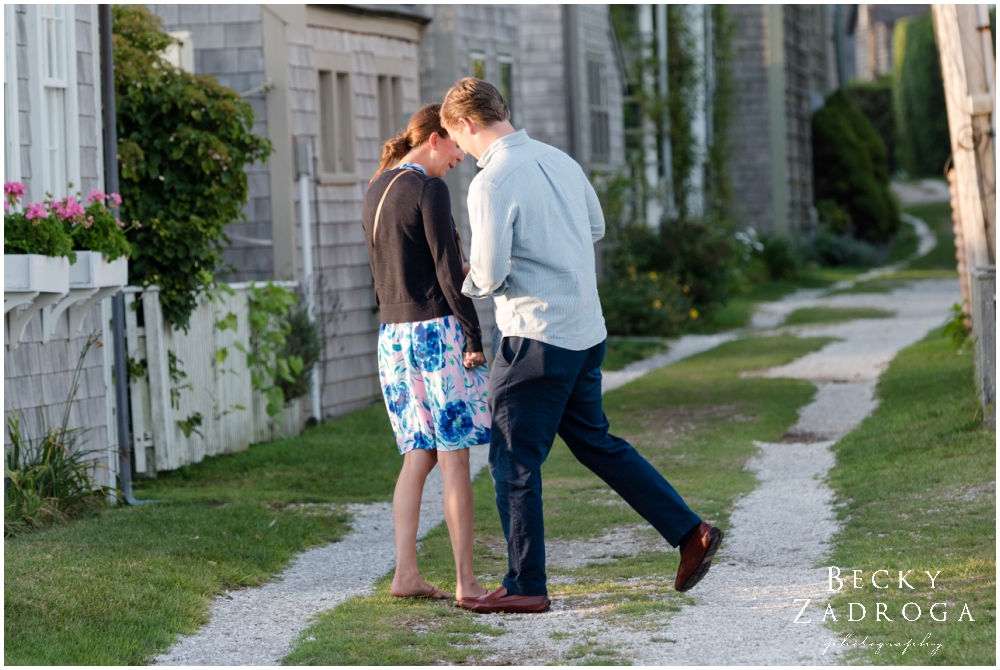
(918, 98)
(184, 141)
(875, 100)
(850, 167)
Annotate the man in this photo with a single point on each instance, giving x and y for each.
(535, 218)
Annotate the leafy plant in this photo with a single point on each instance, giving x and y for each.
(780, 257)
(829, 249)
(96, 228)
(269, 329)
(643, 304)
(49, 476)
(302, 341)
(958, 327)
(184, 141)
(34, 230)
(918, 98)
(874, 99)
(850, 167)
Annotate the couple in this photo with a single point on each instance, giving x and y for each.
(535, 218)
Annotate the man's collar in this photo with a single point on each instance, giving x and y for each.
(520, 137)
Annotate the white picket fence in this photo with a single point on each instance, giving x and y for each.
(183, 380)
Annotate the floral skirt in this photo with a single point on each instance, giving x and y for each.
(434, 402)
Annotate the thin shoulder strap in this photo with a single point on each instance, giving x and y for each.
(378, 210)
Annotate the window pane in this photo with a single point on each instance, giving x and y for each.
(479, 67)
(327, 122)
(345, 118)
(507, 85)
(55, 42)
(397, 106)
(55, 141)
(385, 123)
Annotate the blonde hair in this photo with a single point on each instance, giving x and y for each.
(476, 100)
(424, 122)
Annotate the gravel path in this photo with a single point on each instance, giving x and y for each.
(256, 626)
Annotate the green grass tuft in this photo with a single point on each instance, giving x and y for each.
(824, 315)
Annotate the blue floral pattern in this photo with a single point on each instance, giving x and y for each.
(433, 401)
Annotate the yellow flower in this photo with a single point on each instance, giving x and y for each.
(652, 275)
(631, 272)
(693, 313)
(657, 304)
(686, 288)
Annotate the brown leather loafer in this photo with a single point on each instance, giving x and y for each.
(499, 601)
(697, 556)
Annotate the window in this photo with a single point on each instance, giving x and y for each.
(478, 69)
(507, 82)
(390, 107)
(54, 83)
(600, 132)
(335, 122)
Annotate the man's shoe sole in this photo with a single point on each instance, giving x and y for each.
(715, 538)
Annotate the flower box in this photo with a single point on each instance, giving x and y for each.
(24, 273)
(91, 270)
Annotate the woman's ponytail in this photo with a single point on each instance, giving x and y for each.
(423, 123)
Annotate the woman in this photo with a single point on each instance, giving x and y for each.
(430, 354)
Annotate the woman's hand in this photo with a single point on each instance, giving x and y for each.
(472, 359)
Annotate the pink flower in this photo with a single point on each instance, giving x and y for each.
(68, 208)
(14, 189)
(117, 198)
(6, 205)
(96, 196)
(36, 211)
(121, 224)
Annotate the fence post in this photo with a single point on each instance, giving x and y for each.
(984, 312)
(157, 369)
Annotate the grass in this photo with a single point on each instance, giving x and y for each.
(621, 351)
(824, 315)
(904, 245)
(695, 420)
(116, 588)
(938, 217)
(913, 483)
(737, 312)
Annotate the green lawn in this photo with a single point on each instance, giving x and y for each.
(915, 484)
(938, 218)
(737, 312)
(695, 420)
(624, 350)
(823, 315)
(114, 589)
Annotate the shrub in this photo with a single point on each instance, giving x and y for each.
(832, 217)
(184, 141)
(96, 228)
(780, 257)
(302, 341)
(874, 99)
(850, 167)
(701, 257)
(918, 98)
(49, 475)
(644, 304)
(829, 249)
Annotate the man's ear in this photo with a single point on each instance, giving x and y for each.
(468, 126)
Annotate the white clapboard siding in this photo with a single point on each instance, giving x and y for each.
(232, 413)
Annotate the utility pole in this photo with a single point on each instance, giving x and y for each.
(968, 70)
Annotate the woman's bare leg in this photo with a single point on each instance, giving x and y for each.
(407, 581)
(458, 513)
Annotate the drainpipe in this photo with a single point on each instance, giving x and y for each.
(118, 300)
(666, 148)
(303, 164)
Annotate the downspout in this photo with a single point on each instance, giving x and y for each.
(303, 162)
(665, 147)
(118, 300)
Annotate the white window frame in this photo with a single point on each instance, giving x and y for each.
(12, 107)
(38, 83)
